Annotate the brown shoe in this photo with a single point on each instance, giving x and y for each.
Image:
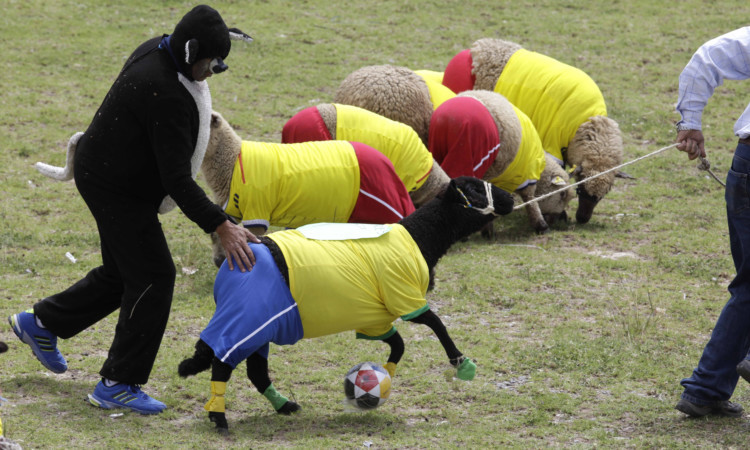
(725, 408)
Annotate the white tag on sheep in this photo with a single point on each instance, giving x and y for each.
(342, 231)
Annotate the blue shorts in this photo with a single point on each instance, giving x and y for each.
(252, 309)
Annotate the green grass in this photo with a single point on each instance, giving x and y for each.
(575, 348)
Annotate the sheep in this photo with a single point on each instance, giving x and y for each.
(421, 174)
(395, 92)
(480, 133)
(289, 185)
(563, 102)
(303, 288)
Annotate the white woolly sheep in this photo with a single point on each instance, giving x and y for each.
(303, 287)
(395, 92)
(421, 174)
(480, 133)
(563, 102)
(289, 185)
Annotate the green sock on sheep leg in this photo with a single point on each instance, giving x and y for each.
(281, 404)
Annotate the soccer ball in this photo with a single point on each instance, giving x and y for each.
(367, 385)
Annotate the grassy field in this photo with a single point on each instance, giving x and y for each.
(581, 335)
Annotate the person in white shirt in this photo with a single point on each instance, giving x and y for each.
(725, 357)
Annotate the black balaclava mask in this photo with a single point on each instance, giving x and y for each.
(200, 34)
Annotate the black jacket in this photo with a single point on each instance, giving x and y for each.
(141, 141)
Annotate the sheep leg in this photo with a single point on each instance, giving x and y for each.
(257, 373)
(218, 250)
(488, 230)
(431, 319)
(396, 342)
(466, 368)
(532, 209)
(220, 374)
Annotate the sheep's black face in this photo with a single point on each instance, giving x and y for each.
(3, 347)
(586, 205)
(479, 195)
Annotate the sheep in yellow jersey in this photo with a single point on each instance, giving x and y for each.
(289, 185)
(413, 163)
(564, 103)
(304, 287)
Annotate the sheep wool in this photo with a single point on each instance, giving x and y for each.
(557, 97)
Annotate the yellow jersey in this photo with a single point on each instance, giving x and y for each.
(359, 284)
(318, 182)
(397, 141)
(529, 162)
(557, 97)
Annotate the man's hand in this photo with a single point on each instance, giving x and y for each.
(691, 142)
(234, 239)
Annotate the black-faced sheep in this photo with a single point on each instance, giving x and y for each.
(289, 185)
(421, 174)
(395, 92)
(563, 102)
(480, 133)
(303, 288)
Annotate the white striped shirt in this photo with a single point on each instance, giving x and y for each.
(724, 57)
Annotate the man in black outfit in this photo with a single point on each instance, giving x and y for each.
(138, 157)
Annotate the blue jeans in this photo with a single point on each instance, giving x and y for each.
(715, 377)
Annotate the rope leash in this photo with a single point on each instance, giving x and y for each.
(704, 165)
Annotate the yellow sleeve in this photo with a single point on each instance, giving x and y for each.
(438, 92)
(397, 141)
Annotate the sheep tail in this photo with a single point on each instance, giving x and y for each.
(61, 173)
(200, 361)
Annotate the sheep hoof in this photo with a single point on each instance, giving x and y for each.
(220, 419)
(541, 227)
(288, 408)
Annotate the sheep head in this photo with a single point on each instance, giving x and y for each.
(554, 178)
(480, 196)
(223, 147)
(596, 147)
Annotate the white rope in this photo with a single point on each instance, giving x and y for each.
(549, 194)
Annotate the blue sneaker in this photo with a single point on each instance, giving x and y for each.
(41, 341)
(125, 396)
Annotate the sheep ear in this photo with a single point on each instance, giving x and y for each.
(451, 192)
(191, 51)
(236, 34)
(215, 119)
(558, 181)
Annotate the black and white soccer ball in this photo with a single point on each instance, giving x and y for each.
(367, 385)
